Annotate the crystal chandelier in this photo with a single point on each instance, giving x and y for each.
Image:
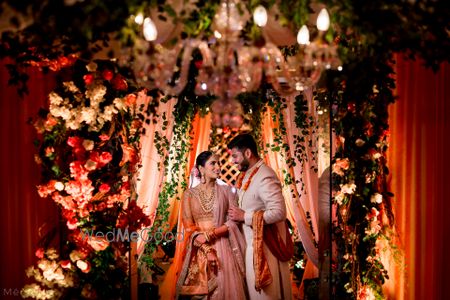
(231, 65)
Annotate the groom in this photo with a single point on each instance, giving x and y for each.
(263, 212)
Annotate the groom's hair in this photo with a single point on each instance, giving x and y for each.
(244, 141)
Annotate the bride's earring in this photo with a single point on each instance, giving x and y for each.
(202, 178)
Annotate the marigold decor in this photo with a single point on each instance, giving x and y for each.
(89, 153)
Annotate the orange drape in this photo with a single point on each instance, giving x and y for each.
(419, 126)
(22, 211)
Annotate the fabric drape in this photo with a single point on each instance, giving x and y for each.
(150, 178)
(24, 216)
(299, 199)
(419, 127)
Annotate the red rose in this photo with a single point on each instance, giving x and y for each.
(40, 253)
(72, 224)
(63, 61)
(351, 107)
(119, 83)
(65, 264)
(107, 74)
(88, 79)
(104, 137)
(130, 100)
(101, 206)
(104, 188)
(74, 141)
(105, 158)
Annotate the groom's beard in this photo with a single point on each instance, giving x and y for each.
(244, 165)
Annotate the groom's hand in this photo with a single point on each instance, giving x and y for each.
(236, 214)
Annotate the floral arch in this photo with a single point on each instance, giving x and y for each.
(89, 150)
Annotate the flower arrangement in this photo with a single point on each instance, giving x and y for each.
(360, 194)
(89, 152)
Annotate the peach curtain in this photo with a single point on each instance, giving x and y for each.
(307, 181)
(419, 126)
(299, 199)
(149, 182)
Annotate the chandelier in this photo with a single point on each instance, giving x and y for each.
(231, 65)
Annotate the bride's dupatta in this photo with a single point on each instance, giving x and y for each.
(197, 277)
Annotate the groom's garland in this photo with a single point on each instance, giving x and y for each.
(249, 180)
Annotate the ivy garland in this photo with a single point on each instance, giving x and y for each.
(175, 155)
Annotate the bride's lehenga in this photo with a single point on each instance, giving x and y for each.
(198, 277)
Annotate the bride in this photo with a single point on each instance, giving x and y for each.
(213, 266)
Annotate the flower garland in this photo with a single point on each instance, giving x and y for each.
(89, 153)
(247, 183)
(364, 222)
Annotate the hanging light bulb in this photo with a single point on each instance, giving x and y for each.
(260, 16)
(139, 19)
(303, 36)
(323, 20)
(150, 32)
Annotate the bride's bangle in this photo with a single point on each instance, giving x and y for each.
(212, 234)
(206, 234)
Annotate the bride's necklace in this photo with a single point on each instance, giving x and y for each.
(207, 201)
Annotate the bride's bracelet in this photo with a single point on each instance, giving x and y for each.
(207, 238)
(206, 248)
(212, 234)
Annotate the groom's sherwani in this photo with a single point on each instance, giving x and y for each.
(264, 193)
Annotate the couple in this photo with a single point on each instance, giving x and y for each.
(239, 245)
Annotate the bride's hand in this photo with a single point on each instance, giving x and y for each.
(200, 239)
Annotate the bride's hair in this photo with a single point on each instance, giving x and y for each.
(201, 159)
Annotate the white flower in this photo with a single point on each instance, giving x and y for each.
(53, 273)
(339, 198)
(71, 87)
(370, 177)
(359, 142)
(88, 145)
(120, 104)
(73, 124)
(91, 67)
(95, 94)
(376, 198)
(110, 111)
(55, 99)
(377, 155)
(88, 115)
(90, 165)
(59, 186)
(348, 188)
